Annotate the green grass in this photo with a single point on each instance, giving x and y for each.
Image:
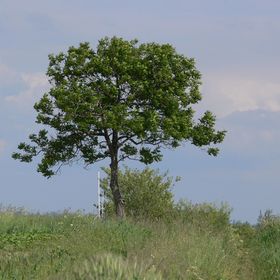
(77, 246)
(264, 244)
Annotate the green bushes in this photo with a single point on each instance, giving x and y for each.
(262, 241)
(246, 231)
(205, 214)
(266, 247)
(147, 194)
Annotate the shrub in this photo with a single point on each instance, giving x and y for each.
(147, 193)
(266, 247)
(245, 231)
(204, 214)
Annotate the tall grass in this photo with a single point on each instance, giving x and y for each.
(77, 246)
(266, 247)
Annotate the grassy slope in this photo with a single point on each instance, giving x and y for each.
(75, 246)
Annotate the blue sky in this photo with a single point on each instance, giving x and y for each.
(236, 46)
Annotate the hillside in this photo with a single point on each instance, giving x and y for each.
(198, 244)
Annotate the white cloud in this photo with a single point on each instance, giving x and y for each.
(36, 84)
(253, 133)
(227, 93)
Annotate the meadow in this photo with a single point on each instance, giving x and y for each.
(198, 243)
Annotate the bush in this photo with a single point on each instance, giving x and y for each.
(266, 247)
(147, 194)
(245, 231)
(204, 214)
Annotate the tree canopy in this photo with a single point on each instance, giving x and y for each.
(124, 100)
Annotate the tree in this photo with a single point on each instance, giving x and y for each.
(123, 101)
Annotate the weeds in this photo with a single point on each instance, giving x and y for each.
(76, 246)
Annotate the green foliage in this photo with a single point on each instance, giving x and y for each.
(206, 214)
(147, 193)
(122, 100)
(22, 240)
(246, 231)
(192, 251)
(266, 247)
(81, 247)
(109, 267)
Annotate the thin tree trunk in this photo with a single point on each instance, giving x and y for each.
(114, 185)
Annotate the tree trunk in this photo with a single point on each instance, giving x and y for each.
(114, 185)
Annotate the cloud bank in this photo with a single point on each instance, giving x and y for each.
(227, 93)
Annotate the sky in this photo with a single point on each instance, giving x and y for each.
(236, 48)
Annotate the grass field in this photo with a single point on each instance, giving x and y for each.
(78, 246)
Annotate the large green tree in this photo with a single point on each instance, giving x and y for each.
(124, 100)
